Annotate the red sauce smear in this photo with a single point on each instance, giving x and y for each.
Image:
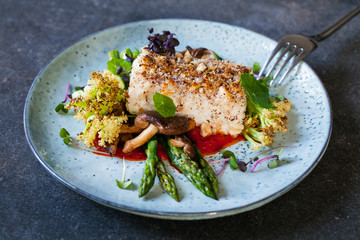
(207, 145)
(139, 154)
(214, 143)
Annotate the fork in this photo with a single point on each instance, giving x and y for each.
(299, 46)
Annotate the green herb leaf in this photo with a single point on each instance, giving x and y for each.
(114, 54)
(257, 91)
(217, 56)
(279, 98)
(77, 88)
(124, 184)
(67, 140)
(126, 52)
(61, 107)
(113, 64)
(273, 163)
(256, 67)
(280, 152)
(266, 80)
(136, 53)
(231, 156)
(64, 133)
(164, 105)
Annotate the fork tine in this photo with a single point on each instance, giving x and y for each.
(275, 51)
(300, 57)
(292, 53)
(287, 48)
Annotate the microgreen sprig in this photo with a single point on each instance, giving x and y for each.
(232, 159)
(256, 67)
(274, 158)
(255, 160)
(124, 184)
(65, 135)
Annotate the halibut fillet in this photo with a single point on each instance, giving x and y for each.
(205, 90)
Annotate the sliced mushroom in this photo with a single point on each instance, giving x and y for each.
(201, 53)
(141, 139)
(168, 126)
(154, 123)
(183, 141)
(112, 148)
(125, 128)
(176, 143)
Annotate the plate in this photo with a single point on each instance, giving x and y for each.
(93, 176)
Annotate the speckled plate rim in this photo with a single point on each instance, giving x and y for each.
(159, 214)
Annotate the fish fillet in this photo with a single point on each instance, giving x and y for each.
(206, 90)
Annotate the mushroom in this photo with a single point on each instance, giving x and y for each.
(141, 139)
(183, 141)
(125, 128)
(201, 53)
(154, 123)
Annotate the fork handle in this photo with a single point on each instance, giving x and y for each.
(337, 25)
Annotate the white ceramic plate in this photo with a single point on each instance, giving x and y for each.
(93, 176)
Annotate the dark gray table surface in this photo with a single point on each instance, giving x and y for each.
(34, 205)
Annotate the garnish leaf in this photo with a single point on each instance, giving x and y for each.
(256, 67)
(124, 184)
(266, 80)
(64, 133)
(279, 98)
(257, 91)
(164, 105)
(126, 53)
(274, 163)
(231, 156)
(114, 54)
(61, 107)
(67, 140)
(113, 64)
(217, 56)
(136, 53)
(77, 88)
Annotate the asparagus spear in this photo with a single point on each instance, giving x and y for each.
(147, 181)
(167, 181)
(208, 171)
(188, 167)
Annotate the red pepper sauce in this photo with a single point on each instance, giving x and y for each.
(207, 145)
(214, 143)
(139, 154)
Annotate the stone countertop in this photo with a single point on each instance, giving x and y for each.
(34, 205)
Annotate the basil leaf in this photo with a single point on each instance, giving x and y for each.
(124, 184)
(164, 105)
(257, 91)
